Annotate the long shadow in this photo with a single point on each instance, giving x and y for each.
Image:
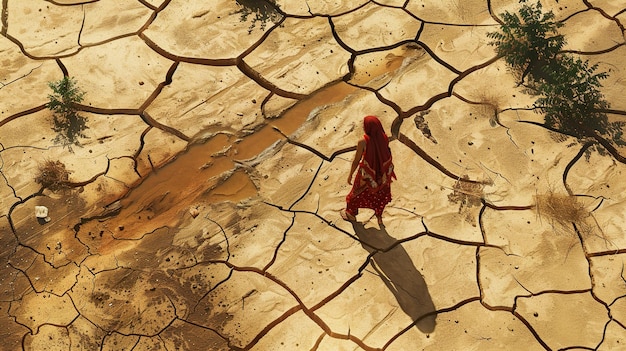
(399, 274)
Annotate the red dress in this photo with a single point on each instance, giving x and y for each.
(372, 184)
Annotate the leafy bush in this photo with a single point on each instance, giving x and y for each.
(264, 11)
(528, 41)
(572, 101)
(67, 123)
(569, 88)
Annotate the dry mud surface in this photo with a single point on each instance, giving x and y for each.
(194, 224)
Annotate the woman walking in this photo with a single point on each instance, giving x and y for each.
(372, 184)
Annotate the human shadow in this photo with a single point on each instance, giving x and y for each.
(397, 271)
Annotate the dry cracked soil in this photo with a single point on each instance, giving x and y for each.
(202, 206)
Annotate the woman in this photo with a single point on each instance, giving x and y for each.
(372, 184)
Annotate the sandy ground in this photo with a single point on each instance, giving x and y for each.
(205, 211)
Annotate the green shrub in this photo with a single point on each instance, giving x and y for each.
(572, 102)
(569, 88)
(528, 41)
(67, 122)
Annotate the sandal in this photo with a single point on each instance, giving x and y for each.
(347, 216)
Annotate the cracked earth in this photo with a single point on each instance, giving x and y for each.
(203, 212)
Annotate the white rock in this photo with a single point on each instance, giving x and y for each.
(41, 211)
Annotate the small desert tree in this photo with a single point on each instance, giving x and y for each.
(528, 41)
(67, 122)
(573, 103)
(264, 11)
(569, 88)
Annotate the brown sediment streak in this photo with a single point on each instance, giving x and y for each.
(155, 199)
(234, 187)
(250, 146)
(22, 113)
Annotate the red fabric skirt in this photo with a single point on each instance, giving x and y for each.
(364, 196)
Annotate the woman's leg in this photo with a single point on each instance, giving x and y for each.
(379, 214)
(351, 208)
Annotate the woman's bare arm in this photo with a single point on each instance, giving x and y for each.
(360, 147)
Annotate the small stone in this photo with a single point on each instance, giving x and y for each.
(194, 212)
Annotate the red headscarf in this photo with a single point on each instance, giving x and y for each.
(377, 153)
